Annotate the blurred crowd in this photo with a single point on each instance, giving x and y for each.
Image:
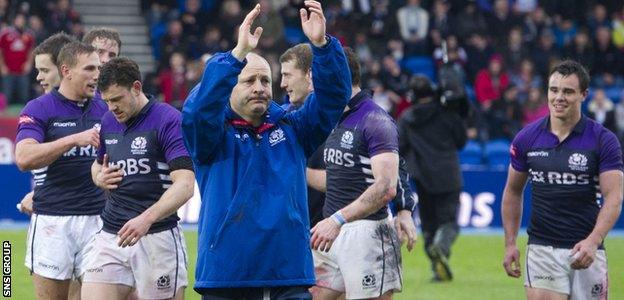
(23, 25)
(502, 48)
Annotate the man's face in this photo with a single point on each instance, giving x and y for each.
(47, 72)
(565, 96)
(296, 82)
(251, 95)
(106, 49)
(84, 75)
(123, 102)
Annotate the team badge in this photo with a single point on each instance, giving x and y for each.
(578, 162)
(276, 136)
(163, 282)
(139, 145)
(347, 140)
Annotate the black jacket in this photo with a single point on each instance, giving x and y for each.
(429, 138)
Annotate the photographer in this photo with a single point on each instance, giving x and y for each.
(430, 134)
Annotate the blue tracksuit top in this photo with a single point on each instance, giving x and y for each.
(253, 226)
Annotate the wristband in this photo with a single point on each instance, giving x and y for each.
(339, 218)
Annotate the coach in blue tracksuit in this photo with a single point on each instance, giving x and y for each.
(250, 159)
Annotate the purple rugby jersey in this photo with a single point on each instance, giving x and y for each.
(564, 178)
(64, 187)
(363, 132)
(143, 150)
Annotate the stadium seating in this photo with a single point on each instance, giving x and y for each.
(419, 64)
(472, 154)
(497, 153)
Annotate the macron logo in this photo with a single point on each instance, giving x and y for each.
(111, 142)
(64, 124)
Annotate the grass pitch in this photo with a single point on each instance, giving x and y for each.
(476, 263)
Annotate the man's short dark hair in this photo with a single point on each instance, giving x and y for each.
(354, 65)
(53, 45)
(102, 33)
(69, 53)
(569, 67)
(120, 71)
(420, 87)
(301, 54)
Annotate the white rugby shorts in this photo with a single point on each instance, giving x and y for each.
(549, 268)
(57, 246)
(364, 260)
(155, 266)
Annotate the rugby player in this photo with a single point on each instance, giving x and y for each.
(57, 139)
(575, 168)
(150, 175)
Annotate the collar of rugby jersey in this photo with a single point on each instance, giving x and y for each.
(141, 115)
(578, 128)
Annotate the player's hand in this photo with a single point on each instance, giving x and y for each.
(134, 230)
(583, 254)
(87, 137)
(406, 230)
(313, 24)
(109, 176)
(247, 40)
(324, 234)
(512, 261)
(26, 205)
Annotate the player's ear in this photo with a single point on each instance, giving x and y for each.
(64, 69)
(136, 88)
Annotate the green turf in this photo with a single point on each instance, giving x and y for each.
(476, 265)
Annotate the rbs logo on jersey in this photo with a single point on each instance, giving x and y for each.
(335, 156)
(563, 178)
(133, 166)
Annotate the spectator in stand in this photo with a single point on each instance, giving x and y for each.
(491, 82)
(362, 48)
(457, 57)
(515, 51)
(535, 107)
(564, 31)
(62, 16)
(608, 60)
(230, 18)
(526, 79)
(479, 52)
(602, 110)
(393, 77)
(598, 18)
(413, 23)
(500, 22)
(505, 116)
(37, 28)
(581, 49)
(212, 42)
(173, 41)
(382, 25)
(16, 47)
(173, 83)
(193, 21)
(534, 24)
(469, 22)
(618, 29)
(272, 22)
(544, 52)
(440, 18)
(4, 13)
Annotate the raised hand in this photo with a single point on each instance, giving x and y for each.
(247, 41)
(314, 24)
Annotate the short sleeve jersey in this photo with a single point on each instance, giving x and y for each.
(64, 187)
(143, 149)
(363, 132)
(564, 178)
